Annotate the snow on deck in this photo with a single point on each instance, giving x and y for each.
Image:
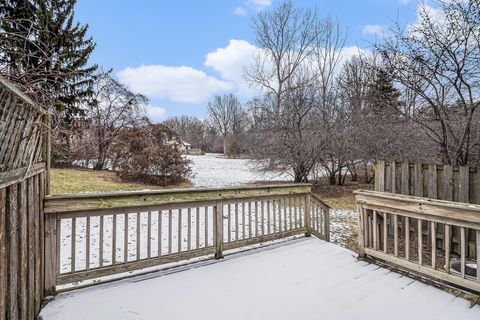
(302, 279)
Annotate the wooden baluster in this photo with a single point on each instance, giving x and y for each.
(229, 229)
(395, 235)
(149, 234)
(262, 217)
(218, 229)
(280, 221)
(375, 235)
(137, 250)
(434, 243)
(295, 212)
(100, 245)
(159, 232)
(114, 239)
(269, 226)
(243, 220)
(274, 206)
(361, 230)
(73, 243)
(179, 231)
(170, 236)
(236, 221)
(366, 228)
(462, 251)
(420, 242)
(197, 227)
(385, 233)
(206, 227)
(256, 219)
(249, 219)
(407, 238)
(290, 220)
(87, 245)
(285, 222)
(447, 247)
(318, 214)
(125, 239)
(189, 229)
(478, 254)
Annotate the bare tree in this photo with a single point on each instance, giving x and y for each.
(112, 108)
(437, 61)
(223, 112)
(286, 36)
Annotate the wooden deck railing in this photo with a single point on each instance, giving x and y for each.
(90, 236)
(418, 234)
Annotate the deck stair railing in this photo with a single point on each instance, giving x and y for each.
(91, 236)
(418, 234)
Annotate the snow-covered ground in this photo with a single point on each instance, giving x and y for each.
(304, 279)
(216, 171)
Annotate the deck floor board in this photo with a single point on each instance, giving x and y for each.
(303, 279)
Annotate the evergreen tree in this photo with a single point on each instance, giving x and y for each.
(45, 49)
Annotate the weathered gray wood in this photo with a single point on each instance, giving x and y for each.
(463, 192)
(218, 229)
(361, 230)
(432, 181)
(3, 252)
(447, 247)
(405, 178)
(130, 266)
(420, 241)
(447, 182)
(418, 179)
(407, 238)
(81, 202)
(393, 166)
(381, 176)
(307, 212)
(51, 262)
(423, 270)
(23, 246)
(434, 243)
(18, 175)
(462, 252)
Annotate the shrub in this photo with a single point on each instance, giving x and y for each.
(149, 154)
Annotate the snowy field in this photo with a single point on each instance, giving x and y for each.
(217, 171)
(304, 279)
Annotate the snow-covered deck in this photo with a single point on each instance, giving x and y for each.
(302, 279)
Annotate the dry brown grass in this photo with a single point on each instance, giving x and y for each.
(85, 180)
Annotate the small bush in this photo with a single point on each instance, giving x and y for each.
(149, 154)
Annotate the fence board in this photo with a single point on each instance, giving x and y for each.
(22, 169)
(443, 182)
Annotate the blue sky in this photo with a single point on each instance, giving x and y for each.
(181, 53)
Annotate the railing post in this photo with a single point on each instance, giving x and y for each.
(307, 214)
(326, 221)
(51, 257)
(218, 229)
(361, 233)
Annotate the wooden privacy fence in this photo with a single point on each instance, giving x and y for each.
(89, 236)
(412, 242)
(445, 182)
(23, 183)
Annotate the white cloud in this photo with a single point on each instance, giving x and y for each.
(374, 29)
(178, 84)
(239, 11)
(230, 62)
(156, 113)
(259, 4)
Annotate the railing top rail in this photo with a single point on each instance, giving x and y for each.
(97, 201)
(421, 206)
(319, 200)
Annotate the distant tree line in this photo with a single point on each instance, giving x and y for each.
(415, 96)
